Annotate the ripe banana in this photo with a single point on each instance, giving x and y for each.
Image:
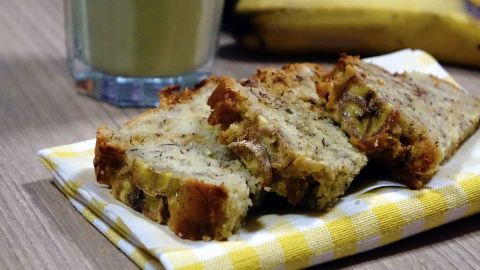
(447, 29)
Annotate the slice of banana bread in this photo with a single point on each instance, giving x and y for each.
(274, 122)
(167, 164)
(410, 122)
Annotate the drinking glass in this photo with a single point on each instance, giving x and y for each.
(125, 51)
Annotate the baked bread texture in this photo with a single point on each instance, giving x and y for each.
(167, 164)
(410, 122)
(274, 122)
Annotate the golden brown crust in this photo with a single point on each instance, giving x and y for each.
(392, 142)
(274, 122)
(316, 68)
(193, 208)
(172, 95)
(109, 157)
(198, 211)
(223, 102)
(396, 119)
(287, 75)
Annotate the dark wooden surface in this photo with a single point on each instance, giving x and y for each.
(39, 229)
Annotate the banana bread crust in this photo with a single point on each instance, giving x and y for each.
(274, 123)
(108, 157)
(192, 208)
(410, 122)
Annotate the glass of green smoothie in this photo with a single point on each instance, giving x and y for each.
(125, 51)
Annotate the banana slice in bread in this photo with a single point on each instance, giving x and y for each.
(167, 164)
(410, 122)
(274, 123)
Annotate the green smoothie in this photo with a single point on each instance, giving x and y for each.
(146, 38)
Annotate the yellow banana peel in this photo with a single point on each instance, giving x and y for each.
(447, 29)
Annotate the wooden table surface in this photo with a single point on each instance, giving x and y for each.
(39, 229)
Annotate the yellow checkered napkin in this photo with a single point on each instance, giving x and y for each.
(369, 217)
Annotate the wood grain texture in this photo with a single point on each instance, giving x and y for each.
(39, 229)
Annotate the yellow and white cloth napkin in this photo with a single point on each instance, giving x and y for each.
(373, 216)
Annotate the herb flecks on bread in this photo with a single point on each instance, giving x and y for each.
(167, 164)
(411, 122)
(275, 123)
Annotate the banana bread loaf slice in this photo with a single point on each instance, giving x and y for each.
(167, 164)
(274, 122)
(410, 122)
